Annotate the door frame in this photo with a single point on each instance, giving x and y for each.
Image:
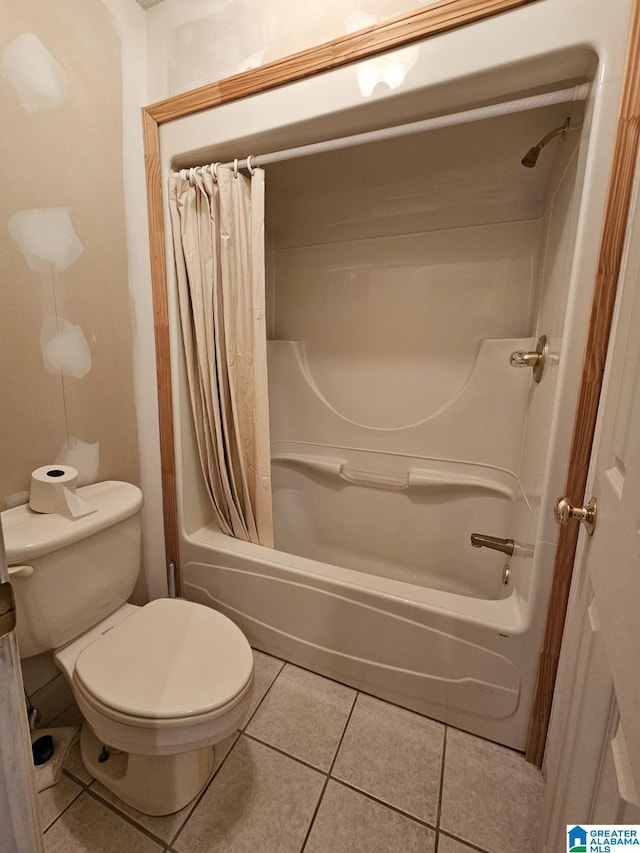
(616, 217)
(432, 20)
(585, 782)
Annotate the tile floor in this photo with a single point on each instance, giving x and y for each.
(319, 768)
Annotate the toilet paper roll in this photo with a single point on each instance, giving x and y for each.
(53, 489)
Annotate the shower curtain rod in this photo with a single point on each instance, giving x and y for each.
(576, 93)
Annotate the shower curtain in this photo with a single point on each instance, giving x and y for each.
(218, 236)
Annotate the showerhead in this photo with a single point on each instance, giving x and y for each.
(531, 157)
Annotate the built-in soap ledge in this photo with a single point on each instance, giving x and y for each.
(444, 475)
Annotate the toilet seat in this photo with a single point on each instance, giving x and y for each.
(169, 637)
(169, 661)
(85, 698)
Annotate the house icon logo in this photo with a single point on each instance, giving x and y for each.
(577, 840)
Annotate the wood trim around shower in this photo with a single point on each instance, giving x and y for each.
(420, 24)
(616, 219)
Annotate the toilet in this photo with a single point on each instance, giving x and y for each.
(157, 685)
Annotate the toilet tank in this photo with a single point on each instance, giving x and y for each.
(73, 572)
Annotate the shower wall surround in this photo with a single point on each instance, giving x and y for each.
(66, 347)
(401, 275)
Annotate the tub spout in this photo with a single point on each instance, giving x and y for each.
(479, 540)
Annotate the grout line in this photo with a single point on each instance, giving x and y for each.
(326, 781)
(196, 801)
(359, 690)
(340, 781)
(142, 829)
(493, 743)
(77, 779)
(269, 655)
(328, 773)
(448, 833)
(148, 831)
(286, 663)
(377, 698)
(389, 806)
(468, 844)
(32, 693)
(65, 809)
(267, 691)
(441, 793)
(344, 732)
(285, 754)
(315, 812)
(240, 733)
(85, 790)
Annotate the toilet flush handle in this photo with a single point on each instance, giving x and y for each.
(20, 572)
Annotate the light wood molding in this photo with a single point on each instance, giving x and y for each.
(431, 20)
(421, 23)
(609, 266)
(161, 330)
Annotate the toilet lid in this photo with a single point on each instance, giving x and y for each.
(171, 658)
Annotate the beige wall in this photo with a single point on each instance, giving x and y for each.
(62, 148)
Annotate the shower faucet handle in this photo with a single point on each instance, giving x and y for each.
(521, 358)
(536, 359)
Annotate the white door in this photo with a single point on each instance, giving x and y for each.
(593, 750)
(20, 830)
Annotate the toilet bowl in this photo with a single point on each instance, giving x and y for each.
(167, 677)
(157, 685)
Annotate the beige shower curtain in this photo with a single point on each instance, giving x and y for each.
(218, 236)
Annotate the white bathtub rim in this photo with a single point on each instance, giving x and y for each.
(506, 615)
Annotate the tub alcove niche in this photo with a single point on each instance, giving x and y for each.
(401, 276)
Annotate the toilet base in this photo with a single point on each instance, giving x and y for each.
(151, 784)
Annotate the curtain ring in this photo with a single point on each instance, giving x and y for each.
(215, 170)
(192, 175)
(251, 169)
(235, 168)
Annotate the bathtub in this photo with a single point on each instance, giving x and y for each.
(401, 607)
(463, 660)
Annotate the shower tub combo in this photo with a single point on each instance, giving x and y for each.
(399, 423)
(374, 580)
